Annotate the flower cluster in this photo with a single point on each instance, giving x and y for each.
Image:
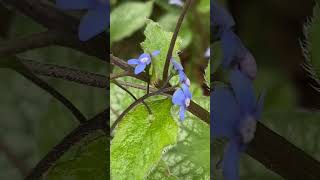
(234, 111)
(182, 96)
(95, 21)
(142, 62)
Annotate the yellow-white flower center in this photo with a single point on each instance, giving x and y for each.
(144, 60)
(187, 82)
(247, 129)
(187, 102)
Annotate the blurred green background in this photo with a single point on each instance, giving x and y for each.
(31, 121)
(274, 32)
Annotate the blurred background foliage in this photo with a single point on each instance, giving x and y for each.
(32, 122)
(277, 35)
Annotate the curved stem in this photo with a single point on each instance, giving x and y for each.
(174, 38)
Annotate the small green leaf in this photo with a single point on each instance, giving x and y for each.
(128, 18)
(140, 140)
(159, 39)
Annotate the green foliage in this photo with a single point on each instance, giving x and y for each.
(159, 39)
(140, 140)
(207, 74)
(204, 6)
(168, 22)
(312, 43)
(189, 159)
(88, 161)
(128, 18)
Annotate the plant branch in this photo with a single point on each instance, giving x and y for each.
(137, 86)
(66, 73)
(119, 75)
(99, 122)
(56, 20)
(18, 66)
(37, 40)
(282, 157)
(126, 90)
(134, 104)
(174, 38)
(194, 108)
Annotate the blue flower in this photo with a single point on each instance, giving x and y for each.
(95, 21)
(182, 98)
(235, 113)
(236, 55)
(142, 62)
(182, 76)
(176, 2)
(220, 18)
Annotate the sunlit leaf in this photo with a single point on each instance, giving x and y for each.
(140, 140)
(159, 39)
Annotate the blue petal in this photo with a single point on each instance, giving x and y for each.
(155, 53)
(93, 23)
(139, 68)
(133, 61)
(224, 114)
(178, 97)
(176, 66)
(232, 47)
(186, 91)
(244, 92)
(182, 113)
(231, 161)
(221, 17)
(147, 56)
(182, 76)
(75, 4)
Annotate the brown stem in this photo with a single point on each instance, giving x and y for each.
(174, 38)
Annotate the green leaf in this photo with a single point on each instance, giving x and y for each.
(89, 162)
(128, 18)
(159, 39)
(207, 74)
(190, 158)
(140, 140)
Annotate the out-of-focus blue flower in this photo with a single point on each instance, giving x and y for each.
(95, 21)
(142, 62)
(176, 2)
(220, 18)
(235, 113)
(236, 55)
(182, 76)
(182, 98)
